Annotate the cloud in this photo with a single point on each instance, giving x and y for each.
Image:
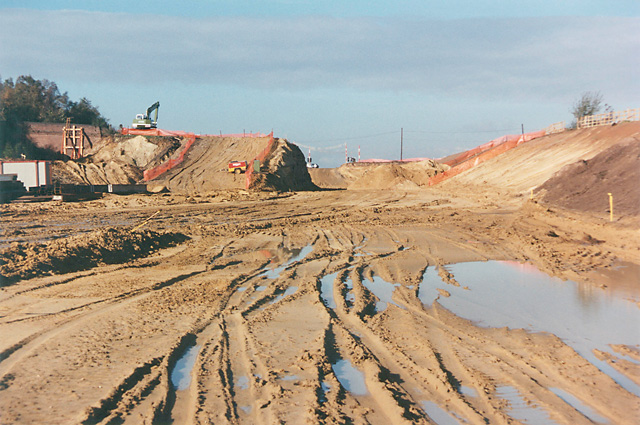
(475, 58)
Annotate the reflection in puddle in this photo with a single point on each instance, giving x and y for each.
(437, 414)
(298, 254)
(289, 291)
(518, 296)
(577, 404)
(521, 410)
(181, 373)
(469, 392)
(242, 383)
(383, 290)
(427, 291)
(350, 377)
(326, 290)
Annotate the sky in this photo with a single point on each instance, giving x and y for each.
(437, 76)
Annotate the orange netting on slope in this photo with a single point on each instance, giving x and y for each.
(261, 156)
(482, 153)
(191, 138)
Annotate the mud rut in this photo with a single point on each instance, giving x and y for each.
(255, 307)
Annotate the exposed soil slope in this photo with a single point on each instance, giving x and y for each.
(584, 185)
(117, 160)
(532, 163)
(389, 175)
(284, 169)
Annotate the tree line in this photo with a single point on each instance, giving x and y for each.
(29, 100)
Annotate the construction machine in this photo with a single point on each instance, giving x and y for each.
(144, 120)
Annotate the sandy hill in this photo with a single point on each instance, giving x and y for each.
(367, 175)
(532, 163)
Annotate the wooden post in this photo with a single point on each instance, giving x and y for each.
(401, 141)
(610, 207)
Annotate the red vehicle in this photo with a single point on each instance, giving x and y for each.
(237, 167)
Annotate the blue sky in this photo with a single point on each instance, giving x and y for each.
(453, 74)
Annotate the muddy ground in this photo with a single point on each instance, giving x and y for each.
(270, 290)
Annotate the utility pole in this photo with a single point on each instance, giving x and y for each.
(401, 141)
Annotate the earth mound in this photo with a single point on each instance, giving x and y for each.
(81, 252)
(117, 160)
(584, 185)
(284, 169)
(367, 175)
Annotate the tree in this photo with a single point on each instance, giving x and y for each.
(588, 104)
(28, 99)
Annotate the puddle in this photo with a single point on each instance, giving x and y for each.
(290, 378)
(437, 414)
(181, 373)
(325, 387)
(241, 289)
(383, 290)
(326, 290)
(350, 298)
(521, 410)
(428, 291)
(298, 254)
(350, 377)
(519, 296)
(246, 409)
(261, 288)
(242, 383)
(577, 404)
(289, 291)
(469, 392)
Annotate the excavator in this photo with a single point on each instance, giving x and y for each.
(144, 120)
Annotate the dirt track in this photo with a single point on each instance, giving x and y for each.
(273, 290)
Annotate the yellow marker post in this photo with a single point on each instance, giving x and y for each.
(610, 207)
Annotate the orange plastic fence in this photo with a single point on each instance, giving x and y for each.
(261, 156)
(473, 157)
(163, 168)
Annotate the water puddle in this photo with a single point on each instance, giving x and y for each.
(428, 289)
(246, 409)
(242, 383)
(289, 291)
(241, 289)
(290, 378)
(350, 297)
(519, 296)
(181, 373)
(350, 377)
(383, 290)
(437, 414)
(577, 404)
(469, 392)
(261, 288)
(326, 290)
(298, 255)
(521, 410)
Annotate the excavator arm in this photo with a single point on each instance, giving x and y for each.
(152, 108)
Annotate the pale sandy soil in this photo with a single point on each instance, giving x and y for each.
(271, 293)
(249, 290)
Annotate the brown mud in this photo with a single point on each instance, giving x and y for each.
(270, 291)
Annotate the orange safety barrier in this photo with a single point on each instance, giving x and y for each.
(473, 157)
(261, 156)
(163, 168)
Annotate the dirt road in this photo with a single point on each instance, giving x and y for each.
(300, 308)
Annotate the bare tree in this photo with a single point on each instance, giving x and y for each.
(588, 104)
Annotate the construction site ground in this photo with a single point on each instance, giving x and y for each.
(266, 300)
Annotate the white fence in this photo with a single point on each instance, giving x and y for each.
(609, 118)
